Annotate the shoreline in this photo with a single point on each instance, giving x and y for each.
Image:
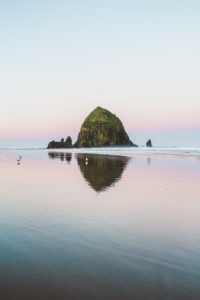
(192, 153)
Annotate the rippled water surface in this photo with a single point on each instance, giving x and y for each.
(99, 226)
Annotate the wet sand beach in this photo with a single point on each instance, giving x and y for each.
(99, 226)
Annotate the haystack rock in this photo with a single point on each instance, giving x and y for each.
(102, 128)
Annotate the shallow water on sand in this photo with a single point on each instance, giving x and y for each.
(89, 226)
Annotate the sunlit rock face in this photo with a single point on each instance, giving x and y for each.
(102, 128)
(101, 171)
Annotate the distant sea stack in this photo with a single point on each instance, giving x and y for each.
(102, 128)
(62, 144)
(149, 143)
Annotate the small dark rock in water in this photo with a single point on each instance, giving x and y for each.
(62, 144)
(149, 143)
(68, 142)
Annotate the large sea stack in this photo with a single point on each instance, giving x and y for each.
(102, 128)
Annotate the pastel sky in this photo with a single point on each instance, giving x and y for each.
(139, 59)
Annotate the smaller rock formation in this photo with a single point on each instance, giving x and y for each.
(68, 142)
(149, 143)
(62, 144)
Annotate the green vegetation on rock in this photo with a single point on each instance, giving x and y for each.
(102, 128)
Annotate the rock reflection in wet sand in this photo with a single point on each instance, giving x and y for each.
(101, 171)
(60, 155)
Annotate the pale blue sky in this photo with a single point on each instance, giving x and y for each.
(61, 59)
